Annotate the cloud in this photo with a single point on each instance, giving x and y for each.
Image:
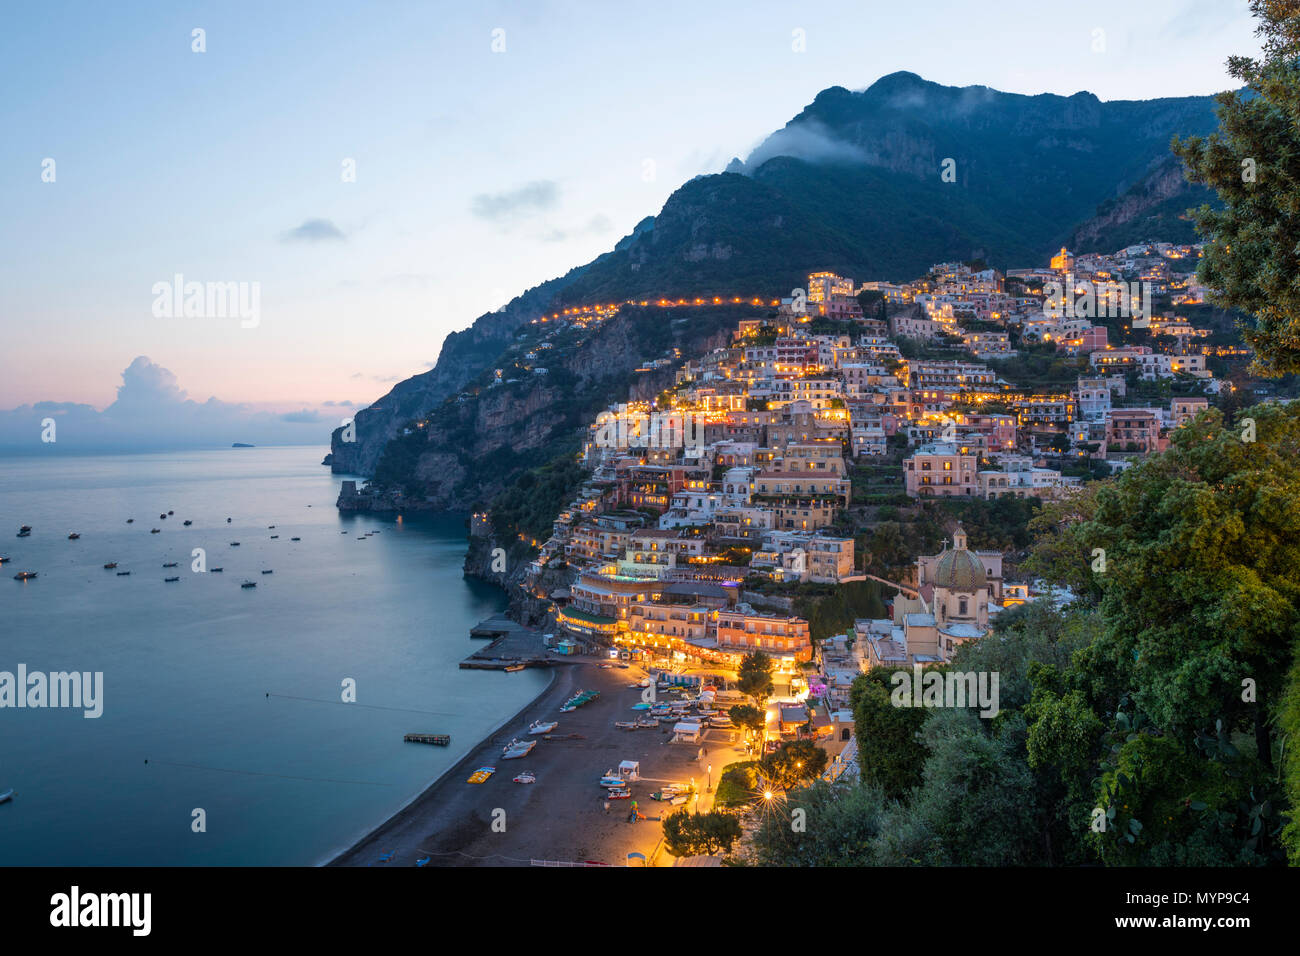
(527, 200)
(808, 140)
(376, 378)
(314, 230)
(152, 411)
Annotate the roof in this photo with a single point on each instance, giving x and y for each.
(959, 570)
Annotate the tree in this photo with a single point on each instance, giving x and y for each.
(890, 753)
(700, 834)
(792, 763)
(820, 825)
(754, 676)
(1252, 255)
(749, 719)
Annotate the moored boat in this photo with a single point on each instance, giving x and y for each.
(170, 564)
(170, 580)
(110, 566)
(248, 584)
(73, 535)
(24, 575)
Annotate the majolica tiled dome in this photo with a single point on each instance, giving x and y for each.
(958, 569)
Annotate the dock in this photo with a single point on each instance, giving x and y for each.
(438, 740)
(513, 646)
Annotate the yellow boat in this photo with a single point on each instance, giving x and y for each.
(481, 774)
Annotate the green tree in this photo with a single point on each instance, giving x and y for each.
(890, 752)
(792, 763)
(700, 834)
(754, 676)
(1252, 256)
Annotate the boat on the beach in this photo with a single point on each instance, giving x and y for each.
(517, 748)
(481, 774)
(540, 727)
(647, 722)
(612, 779)
(578, 700)
(526, 777)
(625, 724)
(622, 793)
(513, 668)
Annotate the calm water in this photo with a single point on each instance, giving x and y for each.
(187, 666)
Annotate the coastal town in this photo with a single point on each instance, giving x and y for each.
(711, 514)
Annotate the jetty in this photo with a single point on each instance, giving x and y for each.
(438, 740)
(514, 646)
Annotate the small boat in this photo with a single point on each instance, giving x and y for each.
(270, 527)
(25, 527)
(678, 800)
(3, 559)
(123, 574)
(274, 536)
(612, 780)
(187, 522)
(171, 512)
(170, 564)
(234, 544)
(526, 777)
(268, 571)
(110, 566)
(162, 517)
(641, 706)
(647, 722)
(24, 575)
(620, 793)
(248, 584)
(295, 539)
(227, 521)
(7, 795)
(423, 862)
(481, 774)
(539, 727)
(24, 534)
(215, 570)
(155, 530)
(517, 748)
(625, 724)
(130, 521)
(73, 536)
(169, 580)
(514, 667)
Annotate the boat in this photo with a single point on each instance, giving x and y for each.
(578, 699)
(130, 521)
(234, 544)
(424, 861)
(170, 564)
(110, 566)
(24, 575)
(295, 539)
(171, 512)
(526, 777)
(268, 571)
(538, 727)
(517, 748)
(227, 521)
(514, 667)
(438, 740)
(73, 535)
(162, 517)
(24, 534)
(215, 570)
(722, 722)
(270, 527)
(170, 580)
(647, 722)
(248, 584)
(155, 530)
(122, 574)
(25, 527)
(274, 536)
(3, 559)
(481, 774)
(641, 706)
(625, 724)
(611, 779)
(7, 795)
(678, 800)
(622, 793)
(187, 522)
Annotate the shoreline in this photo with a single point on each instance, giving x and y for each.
(405, 813)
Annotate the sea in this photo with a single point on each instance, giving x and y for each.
(240, 726)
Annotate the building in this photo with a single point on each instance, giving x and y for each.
(940, 470)
(745, 630)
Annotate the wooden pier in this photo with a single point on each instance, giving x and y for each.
(438, 740)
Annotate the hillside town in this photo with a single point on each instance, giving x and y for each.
(701, 504)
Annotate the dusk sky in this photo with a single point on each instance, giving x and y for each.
(478, 173)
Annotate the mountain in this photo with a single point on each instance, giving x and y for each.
(854, 184)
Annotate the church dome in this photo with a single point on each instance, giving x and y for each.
(958, 569)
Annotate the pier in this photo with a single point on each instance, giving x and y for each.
(514, 646)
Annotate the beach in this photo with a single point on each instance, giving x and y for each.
(560, 819)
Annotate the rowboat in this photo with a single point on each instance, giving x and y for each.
(514, 667)
(537, 727)
(625, 724)
(7, 795)
(517, 748)
(526, 777)
(620, 794)
(611, 779)
(481, 774)
(647, 722)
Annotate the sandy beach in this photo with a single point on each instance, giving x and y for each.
(562, 817)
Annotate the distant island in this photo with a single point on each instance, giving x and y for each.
(240, 444)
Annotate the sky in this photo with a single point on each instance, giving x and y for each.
(376, 175)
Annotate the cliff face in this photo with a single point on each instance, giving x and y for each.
(1153, 208)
